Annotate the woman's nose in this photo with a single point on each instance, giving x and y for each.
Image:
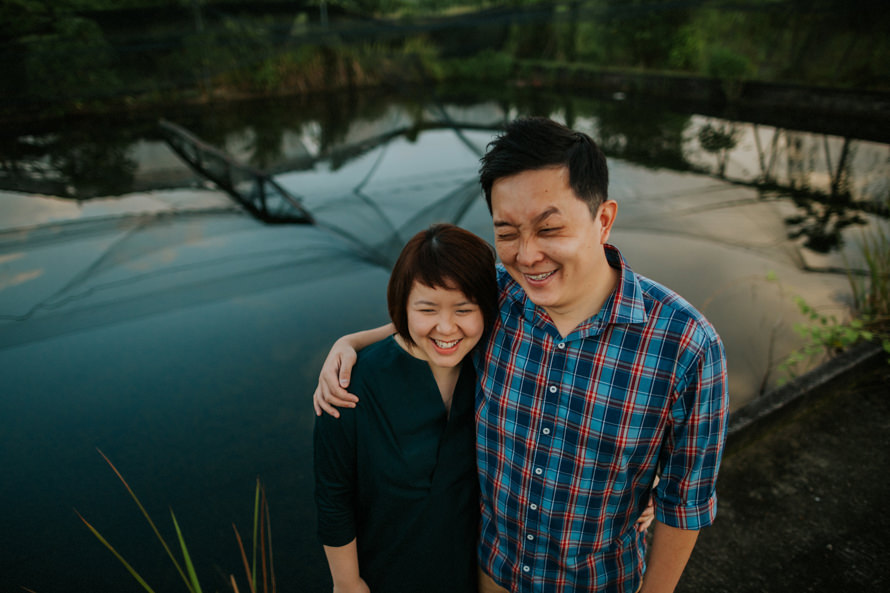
(446, 323)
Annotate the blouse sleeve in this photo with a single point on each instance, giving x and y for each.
(335, 477)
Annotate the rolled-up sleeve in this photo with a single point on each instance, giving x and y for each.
(686, 496)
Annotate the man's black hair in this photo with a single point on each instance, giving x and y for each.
(534, 143)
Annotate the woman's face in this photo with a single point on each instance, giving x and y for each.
(444, 324)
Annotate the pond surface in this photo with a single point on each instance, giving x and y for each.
(143, 312)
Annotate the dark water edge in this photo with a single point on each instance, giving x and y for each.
(841, 111)
(862, 114)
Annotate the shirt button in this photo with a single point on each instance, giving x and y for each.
(533, 506)
(530, 537)
(561, 345)
(553, 389)
(539, 471)
(546, 431)
(526, 568)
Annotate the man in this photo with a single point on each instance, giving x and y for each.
(595, 383)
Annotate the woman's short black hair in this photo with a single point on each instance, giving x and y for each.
(445, 256)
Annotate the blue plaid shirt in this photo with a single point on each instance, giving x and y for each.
(571, 431)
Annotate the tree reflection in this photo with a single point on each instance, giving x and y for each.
(824, 212)
(78, 161)
(650, 136)
(822, 219)
(831, 180)
(719, 140)
(817, 172)
(823, 216)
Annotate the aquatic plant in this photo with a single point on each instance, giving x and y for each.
(871, 292)
(189, 576)
(826, 335)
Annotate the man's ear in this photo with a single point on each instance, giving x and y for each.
(605, 217)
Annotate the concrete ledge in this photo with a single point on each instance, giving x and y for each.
(746, 422)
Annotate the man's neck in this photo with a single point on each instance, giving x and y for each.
(566, 321)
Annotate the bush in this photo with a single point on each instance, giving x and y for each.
(488, 65)
(71, 64)
(725, 64)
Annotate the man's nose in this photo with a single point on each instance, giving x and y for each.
(527, 252)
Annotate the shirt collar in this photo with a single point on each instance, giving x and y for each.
(624, 306)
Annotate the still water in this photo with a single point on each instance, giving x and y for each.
(144, 313)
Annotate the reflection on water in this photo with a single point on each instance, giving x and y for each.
(832, 180)
(183, 337)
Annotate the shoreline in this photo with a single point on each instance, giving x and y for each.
(824, 109)
(840, 111)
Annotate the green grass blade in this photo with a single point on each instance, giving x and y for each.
(126, 564)
(195, 586)
(147, 518)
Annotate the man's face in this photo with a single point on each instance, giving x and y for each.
(549, 241)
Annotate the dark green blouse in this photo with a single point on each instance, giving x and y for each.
(399, 474)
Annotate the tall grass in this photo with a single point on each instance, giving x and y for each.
(871, 292)
(825, 335)
(261, 544)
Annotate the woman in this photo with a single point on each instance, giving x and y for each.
(396, 483)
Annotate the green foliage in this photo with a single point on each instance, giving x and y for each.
(71, 63)
(195, 586)
(19, 18)
(589, 46)
(423, 56)
(871, 292)
(825, 335)
(643, 33)
(726, 64)
(52, 53)
(687, 49)
(730, 68)
(488, 66)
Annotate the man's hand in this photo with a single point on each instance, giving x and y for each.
(334, 379)
(337, 370)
